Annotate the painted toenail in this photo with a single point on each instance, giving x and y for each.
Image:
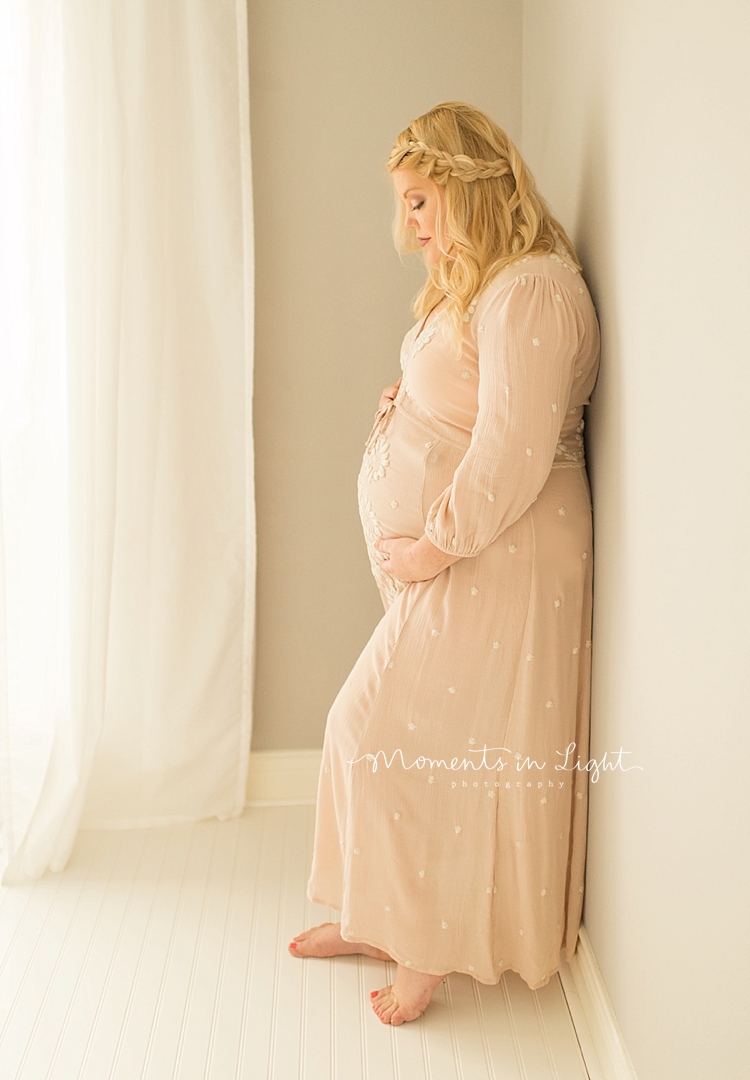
(292, 944)
(374, 993)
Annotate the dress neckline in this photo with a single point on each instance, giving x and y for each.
(425, 320)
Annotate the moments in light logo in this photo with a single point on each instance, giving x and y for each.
(569, 763)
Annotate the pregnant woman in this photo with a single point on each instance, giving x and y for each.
(452, 801)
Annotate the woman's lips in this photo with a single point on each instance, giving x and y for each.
(423, 240)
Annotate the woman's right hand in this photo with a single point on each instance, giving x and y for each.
(388, 394)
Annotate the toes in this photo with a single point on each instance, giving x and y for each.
(384, 1004)
(383, 1011)
(390, 1010)
(308, 941)
(380, 997)
(387, 1014)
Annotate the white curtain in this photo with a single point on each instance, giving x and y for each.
(127, 527)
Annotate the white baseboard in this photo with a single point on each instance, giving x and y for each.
(594, 1019)
(283, 777)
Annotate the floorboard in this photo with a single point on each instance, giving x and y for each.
(161, 954)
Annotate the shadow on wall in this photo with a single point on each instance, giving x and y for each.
(595, 238)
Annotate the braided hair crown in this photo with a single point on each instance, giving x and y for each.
(441, 164)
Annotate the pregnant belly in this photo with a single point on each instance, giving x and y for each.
(405, 468)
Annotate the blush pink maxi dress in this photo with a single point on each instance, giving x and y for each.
(451, 815)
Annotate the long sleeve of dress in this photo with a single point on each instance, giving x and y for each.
(528, 335)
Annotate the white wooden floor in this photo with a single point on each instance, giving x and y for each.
(161, 954)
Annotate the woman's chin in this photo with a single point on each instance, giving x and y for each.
(433, 256)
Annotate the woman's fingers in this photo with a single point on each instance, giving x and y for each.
(389, 394)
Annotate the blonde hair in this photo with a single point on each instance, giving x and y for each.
(490, 214)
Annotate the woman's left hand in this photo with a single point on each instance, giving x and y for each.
(413, 560)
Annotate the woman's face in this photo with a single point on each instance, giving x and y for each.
(421, 198)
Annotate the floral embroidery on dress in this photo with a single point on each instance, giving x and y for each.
(418, 342)
(370, 523)
(570, 453)
(410, 348)
(377, 459)
(556, 258)
(371, 527)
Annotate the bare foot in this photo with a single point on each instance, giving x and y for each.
(326, 940)
(407, 998)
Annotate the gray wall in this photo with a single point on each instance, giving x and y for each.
(332, 84)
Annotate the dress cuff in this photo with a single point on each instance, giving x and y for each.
(450, 549)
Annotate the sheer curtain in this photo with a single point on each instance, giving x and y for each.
(127, 527)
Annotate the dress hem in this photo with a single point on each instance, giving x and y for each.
(358, 938)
